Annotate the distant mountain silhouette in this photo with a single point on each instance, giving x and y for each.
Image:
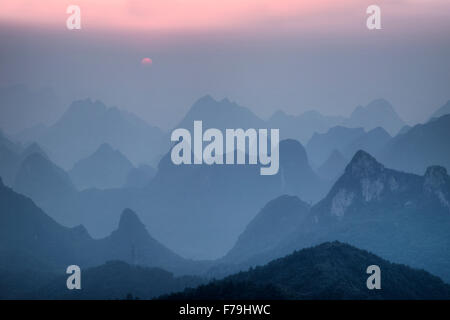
(12, 155)
(132, 243)
(364, 182)
(297, 176)
(303, 126)
(182, 200)
(226, 114)
(105, 168)
(179, 201)
(41, 180)
(327, 271)
(117, 280)
(30, 149)
(30, 171)
(87, 124)
(442, 111)
(223, 197)
(378, 113)
(372, 142)
(333, 167)
(27, 232)
(139, 177)
(221, 114)
(422, 146)
(276, 220)
(347, 141)
(320, 147)
(399, 216)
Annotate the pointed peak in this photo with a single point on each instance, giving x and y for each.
(80, 230)
(286, 200)
(208, 101)
(363, 165)
(279, 113)
(205, 99)
(34, 148)
(80, 102)
(203, 104)
(86, 104)
(105, 147)
(358, 109)
(378, 130)
(130, 221)
(380, 102)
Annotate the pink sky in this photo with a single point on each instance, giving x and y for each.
(193, 15)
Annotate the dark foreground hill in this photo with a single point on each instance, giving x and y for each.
(117, 280)
(327, 271)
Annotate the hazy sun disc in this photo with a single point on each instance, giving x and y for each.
(146, 62)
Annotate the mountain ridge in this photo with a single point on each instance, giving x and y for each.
(378, 113)
(331, 270)
(421, 146)
(87, 124)
(27, 229)
(105, 168)
(391, 213)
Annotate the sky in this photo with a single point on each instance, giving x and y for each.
(267, 55)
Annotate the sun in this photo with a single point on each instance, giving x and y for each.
(146, 61)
